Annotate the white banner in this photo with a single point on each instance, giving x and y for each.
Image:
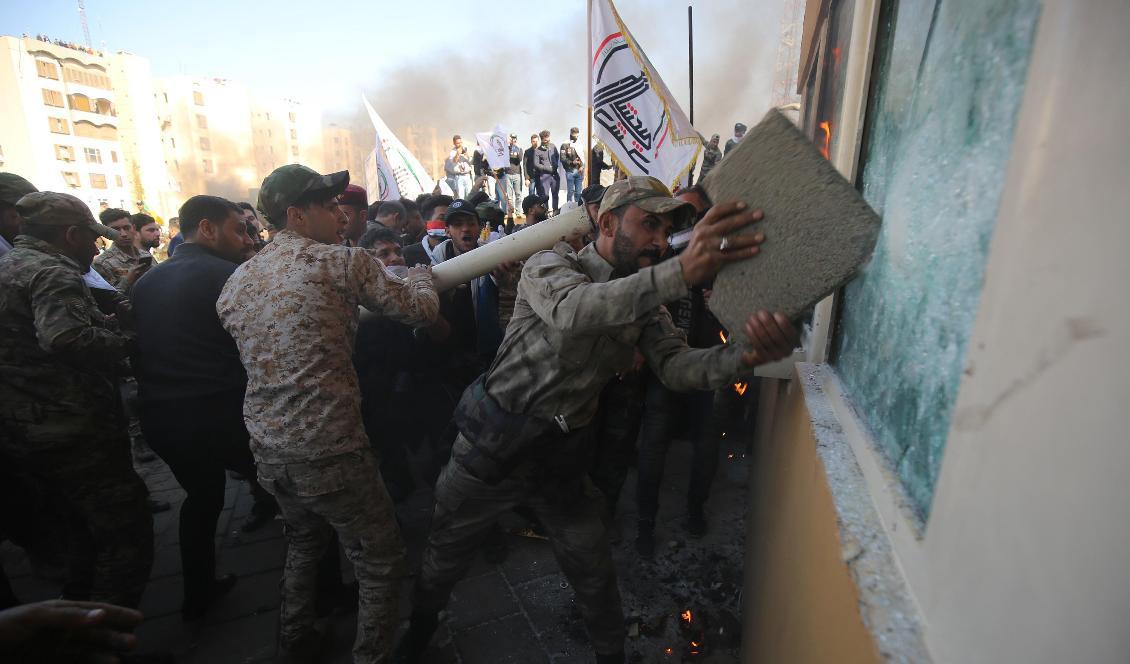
(407, 174)
(634, 114)
(495, 146)
(380, 180)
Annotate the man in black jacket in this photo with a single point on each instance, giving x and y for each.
(546, 161)
(191, 382)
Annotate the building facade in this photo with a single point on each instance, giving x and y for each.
(61, 126)
(103, 128)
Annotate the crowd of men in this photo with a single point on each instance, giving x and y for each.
(544, 169)
(310, 353)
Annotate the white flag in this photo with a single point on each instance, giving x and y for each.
(495, 146)
(380, 180)
(634, 114)
(406, 171)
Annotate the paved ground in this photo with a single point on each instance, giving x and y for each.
(520, 611)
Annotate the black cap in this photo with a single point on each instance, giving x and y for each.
(458, 207)
(592, 194)
(532, 200)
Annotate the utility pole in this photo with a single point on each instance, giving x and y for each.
(85, 26)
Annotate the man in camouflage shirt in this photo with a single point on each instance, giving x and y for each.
(711, 155)
(303, 404)
(57, 396)
(524, 427)
(121, 265)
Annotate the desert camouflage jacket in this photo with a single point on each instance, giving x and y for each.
(575, 327)
(113, 264)
(293, 312)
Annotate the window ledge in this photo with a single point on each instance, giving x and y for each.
(885, 603)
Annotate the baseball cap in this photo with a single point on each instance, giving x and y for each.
(458, 207)
(592, 194)
(739, 127)
(286, 184)
(647, 193)
(14, 187)
(355, 196)
(47, 208)
(532, 200)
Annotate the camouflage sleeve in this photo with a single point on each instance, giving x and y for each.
(412, 301)
(682, 368)
(103, 269)
(65, 320)
(567, 300)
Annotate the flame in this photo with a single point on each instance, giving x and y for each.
(730, 455)
(686, 616)
(827, 129)
(722, 335)
(740, 388)
(668, 651)
(694, 644)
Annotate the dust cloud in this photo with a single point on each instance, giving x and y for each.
(537, 80)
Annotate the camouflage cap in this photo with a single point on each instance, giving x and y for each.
(286, 184)
(47, 208)
(490, 213)
(14, 187)
(649, 194)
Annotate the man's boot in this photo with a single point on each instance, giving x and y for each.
(415, 641)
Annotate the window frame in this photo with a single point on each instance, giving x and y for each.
(845, 154)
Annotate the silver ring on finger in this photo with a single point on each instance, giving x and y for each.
(723, 244)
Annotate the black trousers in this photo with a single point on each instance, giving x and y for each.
(662, 408)
(199, 457)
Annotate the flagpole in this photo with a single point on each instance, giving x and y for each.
(588, 94)
(690, 54)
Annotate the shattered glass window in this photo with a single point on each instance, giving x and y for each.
(946, 88)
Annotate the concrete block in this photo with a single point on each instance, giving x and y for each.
(819, 231)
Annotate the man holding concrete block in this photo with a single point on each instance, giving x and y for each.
(524, 427)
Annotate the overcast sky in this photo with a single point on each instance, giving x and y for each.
(459, 66)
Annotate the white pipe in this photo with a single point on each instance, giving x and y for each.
(517, 246)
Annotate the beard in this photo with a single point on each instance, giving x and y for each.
(625, 256)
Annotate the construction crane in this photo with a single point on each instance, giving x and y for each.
(788, 54)
(85, 25)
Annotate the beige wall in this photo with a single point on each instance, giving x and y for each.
(801, 603)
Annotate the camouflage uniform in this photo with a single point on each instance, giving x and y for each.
(114, 264)
(711, 155)
(303, 406)
(574, 328)
(57, 355)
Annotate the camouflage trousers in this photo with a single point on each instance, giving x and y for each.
(344, 493)
(572, 513)
(103, 520)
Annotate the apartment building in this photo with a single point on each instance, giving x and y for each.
(102, 127)
(61, 126)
